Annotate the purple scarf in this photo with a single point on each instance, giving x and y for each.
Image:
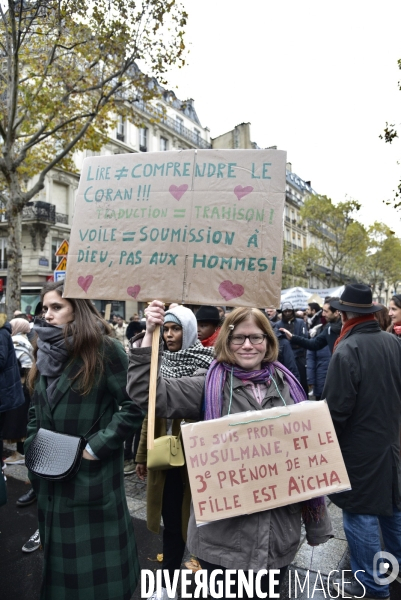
(217, 375)
(214, 386)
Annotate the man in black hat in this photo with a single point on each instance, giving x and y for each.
(363, 392)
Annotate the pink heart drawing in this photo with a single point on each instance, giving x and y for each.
(85, 282)
(230, 290)
(178, 191)
(133, 290)
(240, 191)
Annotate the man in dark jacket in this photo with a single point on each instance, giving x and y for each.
(296, 327)
(328, 335)
(285, 353)
(363, 392)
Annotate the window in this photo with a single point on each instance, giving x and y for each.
(120, 129)
(163, 144)
(56, 243)
(179, 124)
(59, 194)
(143, 139)
(197, 136)
(160, 111)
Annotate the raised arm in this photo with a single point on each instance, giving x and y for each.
(316, 343)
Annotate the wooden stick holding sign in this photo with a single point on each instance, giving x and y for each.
(154, 360)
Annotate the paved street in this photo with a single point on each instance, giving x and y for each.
(20, 572)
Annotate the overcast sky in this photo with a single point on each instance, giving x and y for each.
(318, 79)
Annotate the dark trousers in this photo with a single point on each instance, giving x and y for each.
(173, 542)
(264, 582)
(132, 440)
(301, 365)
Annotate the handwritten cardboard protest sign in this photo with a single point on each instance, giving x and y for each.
(194, 226)
(258, 460)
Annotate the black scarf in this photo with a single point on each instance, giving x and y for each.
(52, 353)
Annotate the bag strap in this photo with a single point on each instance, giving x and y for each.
(97, 420)
(95, 423)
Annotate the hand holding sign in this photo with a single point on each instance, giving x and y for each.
(154, 315)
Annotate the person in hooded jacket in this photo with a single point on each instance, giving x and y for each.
(12, 395)
(168, 492)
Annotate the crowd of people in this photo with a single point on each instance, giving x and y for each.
(71, 371)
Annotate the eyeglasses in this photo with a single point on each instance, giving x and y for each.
(255, 339)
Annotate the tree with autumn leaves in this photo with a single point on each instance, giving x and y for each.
(337, 236)
(68, 67)
(342, 249)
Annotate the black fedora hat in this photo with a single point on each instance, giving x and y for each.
(208, 313)
(357, 298)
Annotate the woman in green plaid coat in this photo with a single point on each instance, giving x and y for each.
(80, 375)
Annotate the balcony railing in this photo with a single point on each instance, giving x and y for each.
(61, 218)
(37, 211)
(3, 264)
(174, 125)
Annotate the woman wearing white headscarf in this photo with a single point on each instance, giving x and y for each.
(16, 421)
(168, 492)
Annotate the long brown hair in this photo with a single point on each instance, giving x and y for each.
(397, 301)
(89, 332)
(234, 318)
(382, 317)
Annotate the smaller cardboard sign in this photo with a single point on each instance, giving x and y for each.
(62, 265)
(257, 460)
(62, 250)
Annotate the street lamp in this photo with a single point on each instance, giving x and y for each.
(308, 271)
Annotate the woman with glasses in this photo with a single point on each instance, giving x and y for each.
(244, 376)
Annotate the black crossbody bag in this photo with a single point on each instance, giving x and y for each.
(56, 456)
